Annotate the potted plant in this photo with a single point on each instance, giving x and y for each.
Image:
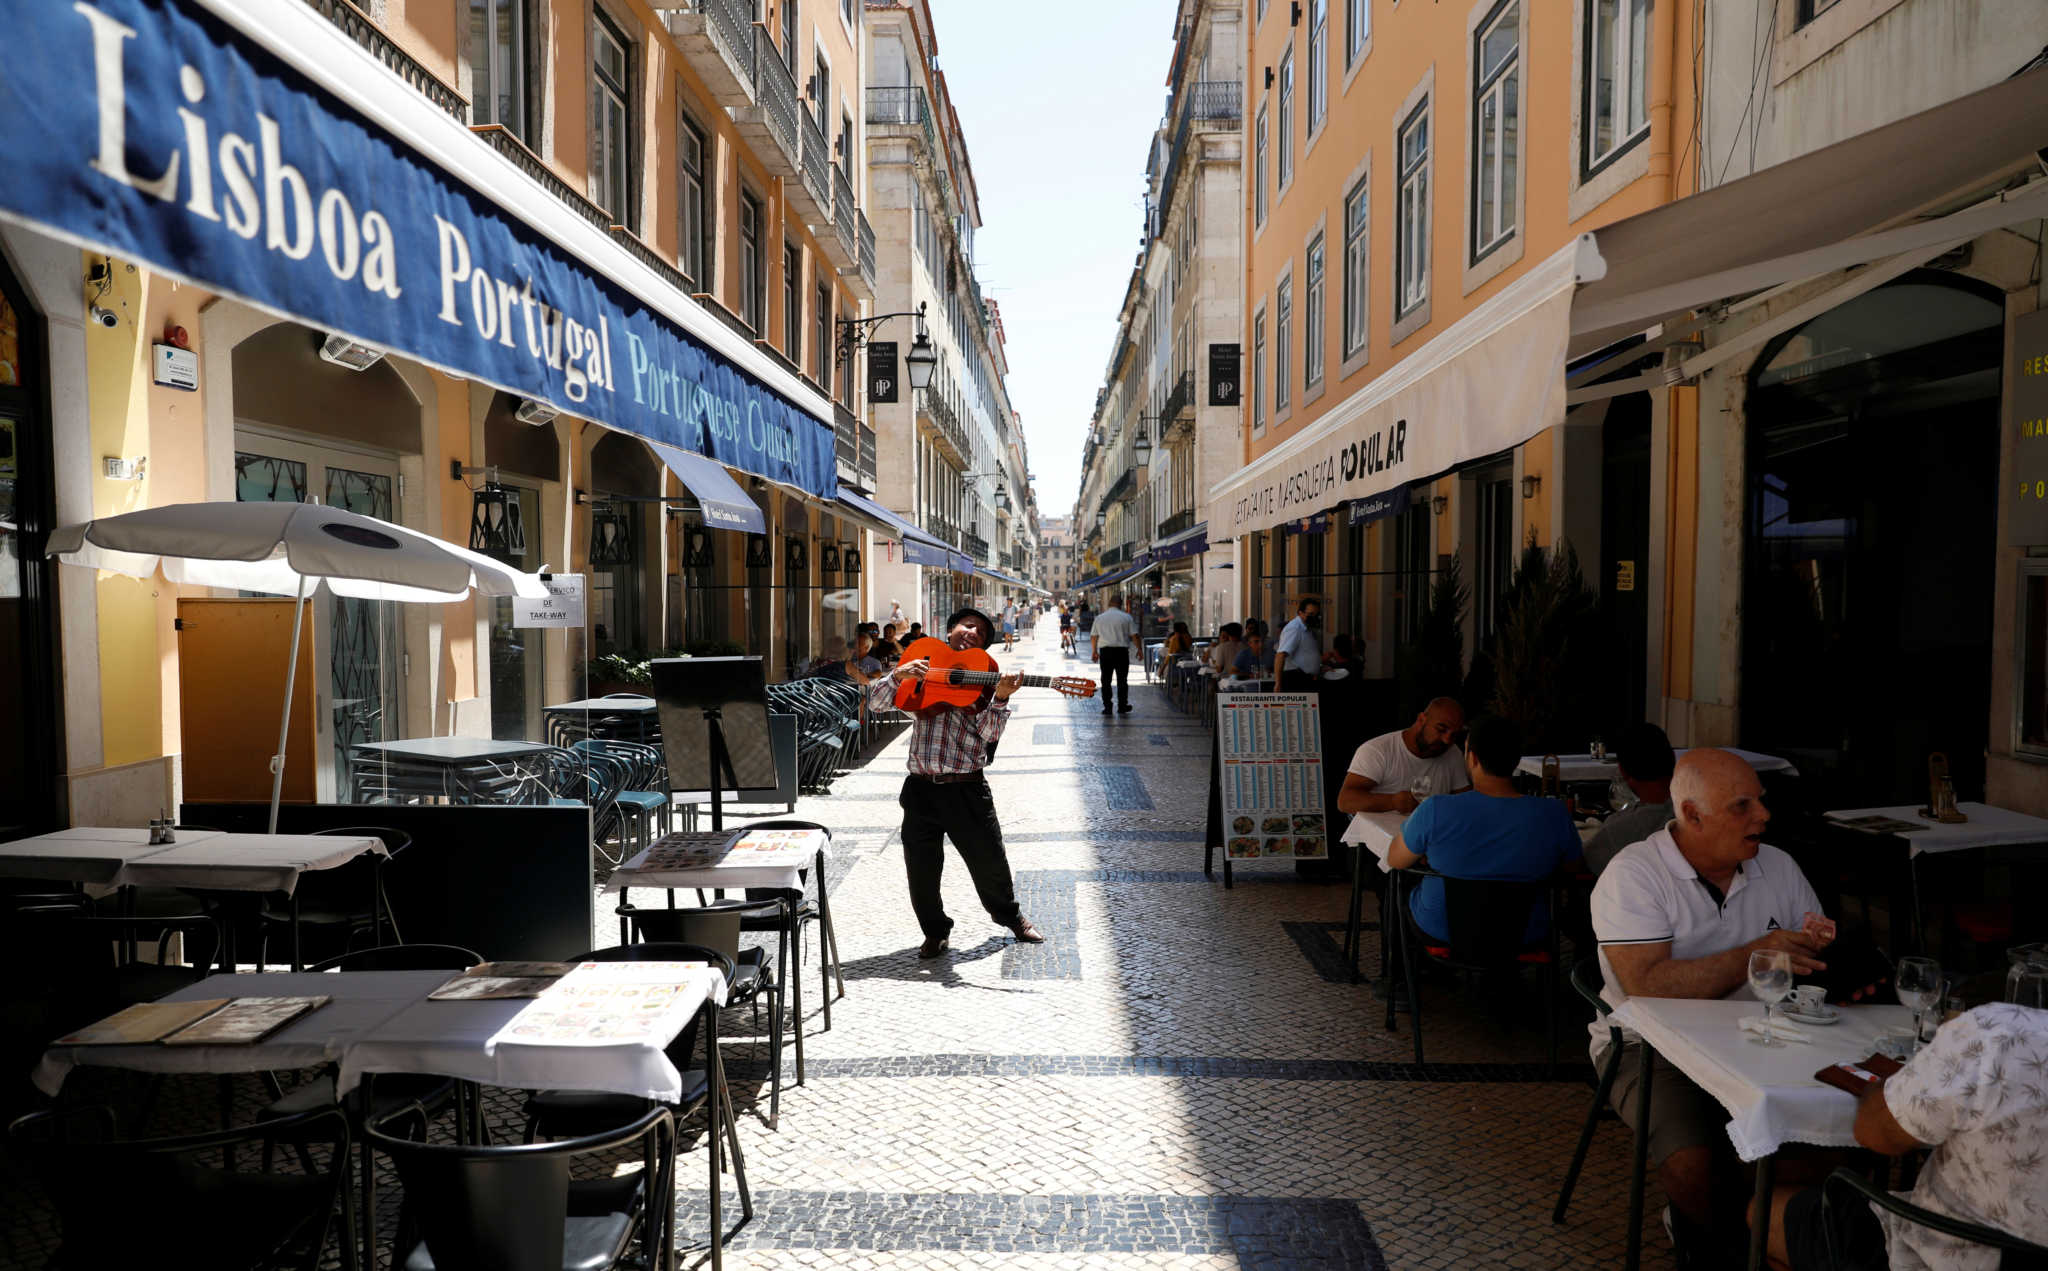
(1545, 659)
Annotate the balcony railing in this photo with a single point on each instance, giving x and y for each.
(843, 215)
(501, 140)
(866, 464)
(896, 105)
(817, 161)
(867, 249)
(1178, 523)
(976, 546)
(940, 412)
(732, 23)
(845, 437)
(358, 26)
(1220, 99)
(777, 93)
(1180, 399)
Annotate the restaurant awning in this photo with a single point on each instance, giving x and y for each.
(1496, 377)
(1113, 577)
(328, 191)
(919, 547)
(1189, 542)
(724, 504)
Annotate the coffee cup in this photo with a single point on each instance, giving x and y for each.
(1809, 999)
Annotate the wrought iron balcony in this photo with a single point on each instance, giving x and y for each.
(976, 546)
(359, 27)
(500, 139)
(771, 125)
(1215, 99)
(867, 250)
(845, 438)
(812, 196)
(903, 106)
(717, 39)
(867, 457)
(946, 424)
(1181, 400)
(846, 230)
(1177, 523)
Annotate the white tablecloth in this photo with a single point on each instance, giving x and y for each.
(779, 870)
(1987, 827)
(123, 857)
(1770, 1092)
(381, 1021)
(1376, 830)
(1587, 768)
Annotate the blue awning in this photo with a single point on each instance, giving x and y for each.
(1373, 507)
(1117, 576)
(1191, 542)
(919, 547)
(725, 505)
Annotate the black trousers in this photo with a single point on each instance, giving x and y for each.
(964, 811)
(1116, 664)
(1292, 681)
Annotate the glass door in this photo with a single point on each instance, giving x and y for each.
(518, 654)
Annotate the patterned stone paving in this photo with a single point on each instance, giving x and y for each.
(1183, 1079)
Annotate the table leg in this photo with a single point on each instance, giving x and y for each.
(1760, 1220)
(796, 983)
(1354, 916)
(298, 960)
(715, 1109)
(1639, 1164)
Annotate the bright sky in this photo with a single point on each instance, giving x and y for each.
(1058, 100)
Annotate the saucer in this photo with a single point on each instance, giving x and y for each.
(1827, 1015)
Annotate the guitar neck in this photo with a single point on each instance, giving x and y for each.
(990, 677)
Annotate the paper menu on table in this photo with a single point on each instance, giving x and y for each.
(143, 1022)
(607, 1004)
(245, 1021)
(497, 980)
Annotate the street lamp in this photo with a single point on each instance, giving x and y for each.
(921, 360)
(1141, 449)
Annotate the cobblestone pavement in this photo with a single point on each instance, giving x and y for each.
(1183, 1077)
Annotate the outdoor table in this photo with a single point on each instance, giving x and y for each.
(607, 705)
(1988, 826)
(455, 758)
(202, 860)
(1770, 1092)
(781, 871)
(1577, 768)
(1368, 832)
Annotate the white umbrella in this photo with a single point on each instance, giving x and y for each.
(287, 549)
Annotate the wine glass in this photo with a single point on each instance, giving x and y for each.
(1918, 983)
(1770, 978)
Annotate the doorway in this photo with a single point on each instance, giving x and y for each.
(1867, 592)
(1624, 579)
(31, 738)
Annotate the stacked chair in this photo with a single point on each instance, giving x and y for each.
(828, 727)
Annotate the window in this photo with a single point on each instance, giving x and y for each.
(1811, 9)
(1283, 346)
(845, 364)
(609, 95)
(1411, 569)
(793, 302)
(821, 92)
(1318, 63)
(846, 11)
(1357, 28)
(821, 351)
(1312, 316)
(1496, 554)
(1258, 372)
(789, 36)
(497, 63)
(1259, 171)
(846, 146)
(1286, 138)
(751, 298)
(1356, 292)
(696, 213)
(1616, 53)
(1411, 230)
(1496, 120)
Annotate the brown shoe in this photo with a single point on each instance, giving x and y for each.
(1025, 932)
(931, 948)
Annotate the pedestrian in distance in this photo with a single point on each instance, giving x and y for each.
(1114, 637)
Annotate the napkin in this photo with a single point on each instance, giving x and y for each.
(1778, 1028)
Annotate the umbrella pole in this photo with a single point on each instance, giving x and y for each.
(284, 724)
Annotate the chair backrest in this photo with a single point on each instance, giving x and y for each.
(715, 926)
(403, 957)
(1587, 982)
(1487, 918)
(500, 1208)
(1845, 1186)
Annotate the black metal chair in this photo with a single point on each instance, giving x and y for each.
(150, 1202)
(90, 961)
(515, 1208)
(1585, 982)
(349, 899)
(807, 912)
(717, 926)
(1487, 918)
(1847, 1187)
(381, 1096)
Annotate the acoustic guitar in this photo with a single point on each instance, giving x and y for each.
(965, 679)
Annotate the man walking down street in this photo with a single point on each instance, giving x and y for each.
(1298, 658)
(1115, 637)
(947, 795)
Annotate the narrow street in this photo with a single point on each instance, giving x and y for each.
(1182, 1077)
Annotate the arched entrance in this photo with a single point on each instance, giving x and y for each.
(1871, 528)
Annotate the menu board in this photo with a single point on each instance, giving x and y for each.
(1271, 748)
(609, 1004)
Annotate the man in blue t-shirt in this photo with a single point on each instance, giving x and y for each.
(1489, 832)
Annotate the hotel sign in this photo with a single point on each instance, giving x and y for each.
(2026, 518)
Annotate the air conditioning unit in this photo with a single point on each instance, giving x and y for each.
(342, 351)
(535, 413)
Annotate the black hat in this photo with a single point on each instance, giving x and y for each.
(971, 612)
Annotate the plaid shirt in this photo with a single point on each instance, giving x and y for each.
(944, 741)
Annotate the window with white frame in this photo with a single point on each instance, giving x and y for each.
(609, 95)
(1258, 371)
(1285, 140)
(1357, 29)
(1259, 169)
(497, 64)
(1496, 126)
(1411, 202)
(1283, 346)
(695, 213)
(1318, 63)
(1616, 80)
(1356, 293)
(1312, 315)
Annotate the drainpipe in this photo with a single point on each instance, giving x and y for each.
(1661, 102)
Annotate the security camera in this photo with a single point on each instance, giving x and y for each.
(105, 317)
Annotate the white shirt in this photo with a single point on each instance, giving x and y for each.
(1979, 1093)
(1114, 630)
(1650, 894)
(1303, 647)
(1387, 762)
